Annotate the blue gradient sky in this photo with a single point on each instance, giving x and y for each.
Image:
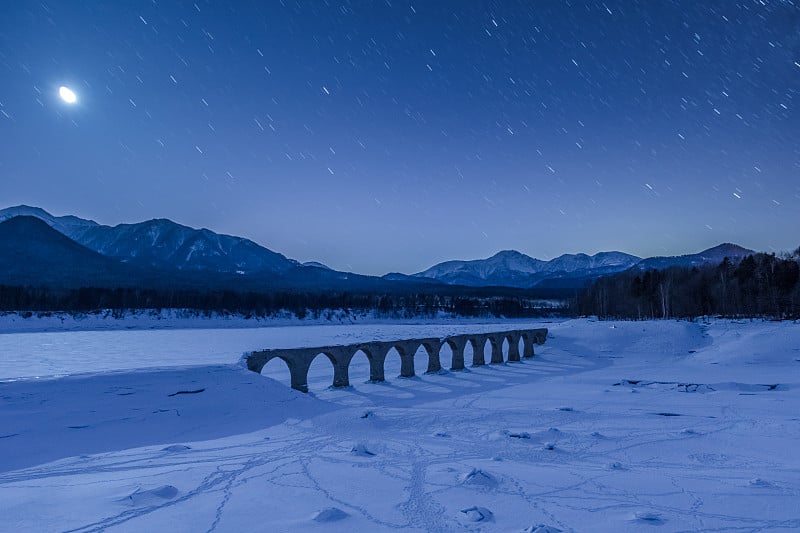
(388, 136)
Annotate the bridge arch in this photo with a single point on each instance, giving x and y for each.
(360, 365)
(278, 368)
(340, 374)
(393, 362)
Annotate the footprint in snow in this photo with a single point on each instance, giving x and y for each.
(647, 517)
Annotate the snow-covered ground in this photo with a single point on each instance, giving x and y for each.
(625, 426)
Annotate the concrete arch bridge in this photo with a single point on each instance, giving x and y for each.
(299, 359)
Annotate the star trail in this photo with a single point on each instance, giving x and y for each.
(391, 135)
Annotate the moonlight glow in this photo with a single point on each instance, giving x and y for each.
(67, 95)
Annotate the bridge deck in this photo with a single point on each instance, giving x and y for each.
(299, 359)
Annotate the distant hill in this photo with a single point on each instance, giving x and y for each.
(33, 253)
(713, 255)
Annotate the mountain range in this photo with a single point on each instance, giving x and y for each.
(37, 247)
(513, 269)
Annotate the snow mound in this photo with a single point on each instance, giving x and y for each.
(150, 497)
(678, 386)
(176, 448)
(329, 514)
(361, 450)
(478, 514)
(479, 478)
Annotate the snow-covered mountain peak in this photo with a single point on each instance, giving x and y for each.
(61, 224)
(316, 264)
(581, 261)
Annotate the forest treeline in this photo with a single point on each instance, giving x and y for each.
(265, 304)
(760, 285)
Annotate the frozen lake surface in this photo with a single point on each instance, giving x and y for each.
(614, 426)
(57, 353)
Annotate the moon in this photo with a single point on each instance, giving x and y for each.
(67, 95)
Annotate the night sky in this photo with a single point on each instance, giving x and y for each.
(391, 135)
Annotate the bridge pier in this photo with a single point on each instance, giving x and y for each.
(376, 354)
(496, 342)
(433, 346)
(298, 368)
(341, 358)
(407, 351)
(527, 347)
(528, 342)
(513, 347)
(457, 344)
(478, 347)
(300, 379)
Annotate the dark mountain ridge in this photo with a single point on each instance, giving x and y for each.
(166, 252)
(162, 243)
(713, 255)
(33, 253)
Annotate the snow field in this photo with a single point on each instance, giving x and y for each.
(622, 426)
